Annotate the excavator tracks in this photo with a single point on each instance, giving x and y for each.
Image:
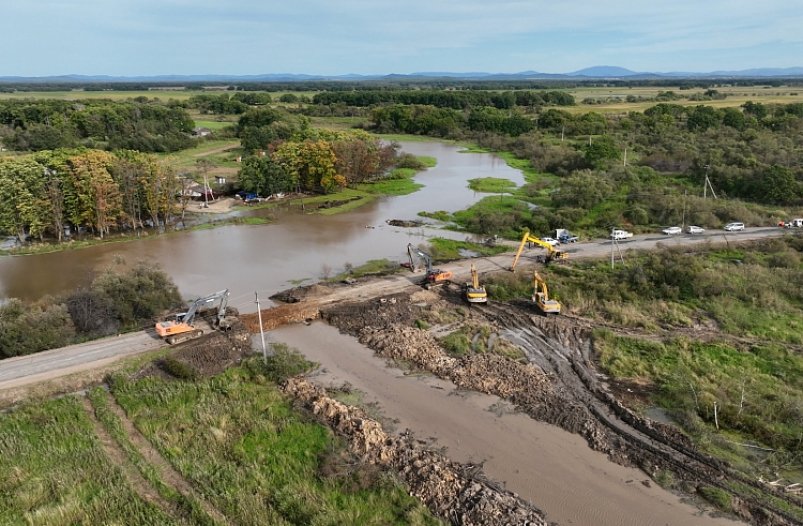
(562, 349)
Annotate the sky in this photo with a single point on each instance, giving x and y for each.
(334, 37)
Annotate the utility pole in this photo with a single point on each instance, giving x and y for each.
(683, 216)
(708, 184)
(261, 332)
(206, 191)
(613, 241)
(624, 163)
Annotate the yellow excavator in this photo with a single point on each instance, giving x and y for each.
(473, 291)
(552, 253)
(541, 296)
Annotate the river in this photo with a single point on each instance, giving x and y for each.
(268, 258)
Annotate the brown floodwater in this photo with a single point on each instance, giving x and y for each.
(269, 258)
(550, 467)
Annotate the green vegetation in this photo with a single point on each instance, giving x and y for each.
(114, 302)
(707, 327)
(188, 509)
(478, 339)
(443, 249)
(33, 125)
(53, 471)
(492, 185)
(373, 267)
(262, 462)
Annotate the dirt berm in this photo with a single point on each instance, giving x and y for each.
(455, 492)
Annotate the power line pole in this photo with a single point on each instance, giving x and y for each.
(708, 184)
(261, 332)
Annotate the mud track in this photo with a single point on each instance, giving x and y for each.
(560, 386)
(563, 349)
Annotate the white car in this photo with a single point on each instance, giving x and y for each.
(691, 229)
(733, 227)
(551, 240)
(672, 230)
(618, 235)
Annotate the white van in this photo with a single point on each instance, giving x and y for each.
(733, 227)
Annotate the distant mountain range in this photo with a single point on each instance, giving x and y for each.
(595, 72)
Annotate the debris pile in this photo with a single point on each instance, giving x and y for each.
(456, 492)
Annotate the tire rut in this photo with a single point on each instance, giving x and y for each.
(165, 469)
(118, 457)
(565, 356)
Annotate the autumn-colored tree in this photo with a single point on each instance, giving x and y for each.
(93, 199)
(311, 164)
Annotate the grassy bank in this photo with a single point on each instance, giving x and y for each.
(262, 463)
(712, 327)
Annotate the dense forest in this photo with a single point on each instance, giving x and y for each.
(35, 125)
(46, 194)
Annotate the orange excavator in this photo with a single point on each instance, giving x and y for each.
(434, 276)
(183, 325)
(552, 253)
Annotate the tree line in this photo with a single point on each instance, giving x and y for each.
(148, 126)
(43, 194)
(454, 99)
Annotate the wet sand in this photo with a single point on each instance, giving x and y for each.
(549, 467)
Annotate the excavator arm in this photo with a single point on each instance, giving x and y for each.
(552, 252)
(183, 328)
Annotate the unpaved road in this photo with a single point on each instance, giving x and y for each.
(15, 372)
(554, 469)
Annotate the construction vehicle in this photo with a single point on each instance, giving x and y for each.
(552, 254)
(433, 276)
(183, 326)
(473, 291)
(541, 296)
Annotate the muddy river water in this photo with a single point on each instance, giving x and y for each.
(550, 467)
(269, 258)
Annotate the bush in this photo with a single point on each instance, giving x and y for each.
(284, 363)
(29, 329)
(178, 369)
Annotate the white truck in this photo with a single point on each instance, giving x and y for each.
(794, 223)
(618, 235)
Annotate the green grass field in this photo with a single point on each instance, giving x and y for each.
(53, 471)
(234, 439)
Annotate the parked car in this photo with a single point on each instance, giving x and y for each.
(551, 240)
(564, 236)
(672, 230)
(733, 227)
(692, 229)
(618, 235)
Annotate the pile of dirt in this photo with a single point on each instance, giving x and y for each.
(206, 356)
(456, 492)
(381, 313)
(281, 315)
(305, 292)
